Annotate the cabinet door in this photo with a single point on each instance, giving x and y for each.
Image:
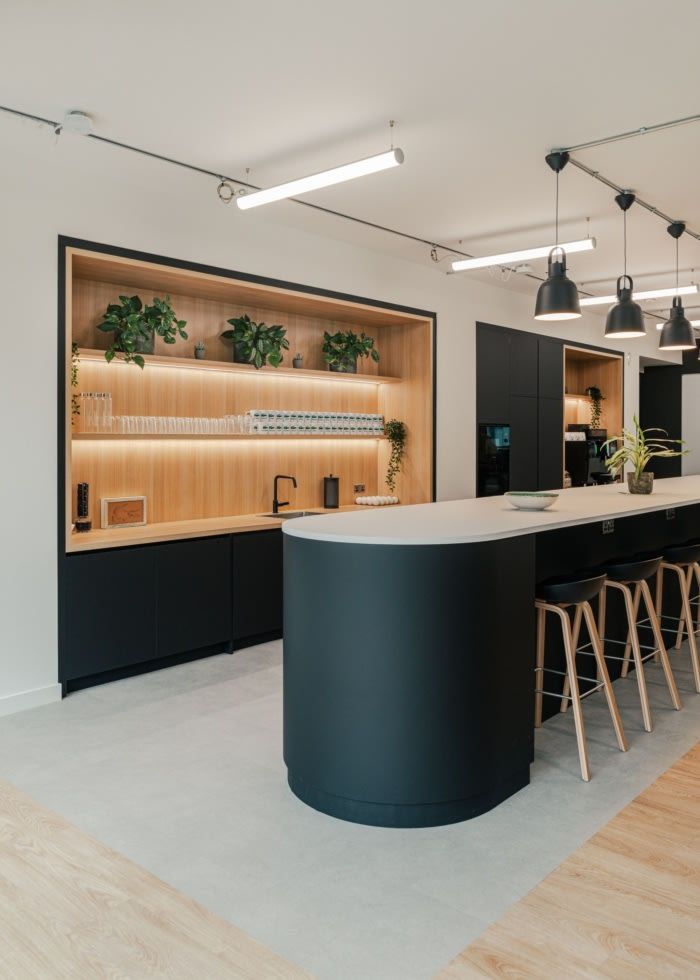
(492, 368)
(257, 584)
(108, 611)
(194, 594)
(523, 363)
(523, 443)
(551, 368)
(550, 443)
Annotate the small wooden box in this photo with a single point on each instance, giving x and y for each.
(122, 511)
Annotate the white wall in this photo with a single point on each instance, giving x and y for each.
(80, 188)
(690, 422)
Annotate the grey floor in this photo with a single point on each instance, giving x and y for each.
(181, 771)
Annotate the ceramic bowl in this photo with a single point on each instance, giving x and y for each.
(531, 500)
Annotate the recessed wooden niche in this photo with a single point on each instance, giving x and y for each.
(190, 478)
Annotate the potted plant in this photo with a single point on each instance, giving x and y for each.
(135, 326)
(396, 433)
(596, 396)
(342, 349)
(256, 343)
(638, 450)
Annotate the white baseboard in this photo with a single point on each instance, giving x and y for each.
(29, 699)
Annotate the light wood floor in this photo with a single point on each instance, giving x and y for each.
(625, 905)
(72, 908)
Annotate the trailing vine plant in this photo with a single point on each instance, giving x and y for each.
(74, 368)
(596, 396)
(396, 433)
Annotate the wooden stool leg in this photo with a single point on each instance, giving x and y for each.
(604, 676)
(570, 652)
(539, 664)
(687, 614)
(628, 644)
(632, 609)
(659, 641)
(696, 569)
(574, 638)
(682, 621)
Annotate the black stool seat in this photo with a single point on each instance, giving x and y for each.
(683, 554)
(634, 569)
(582, 588)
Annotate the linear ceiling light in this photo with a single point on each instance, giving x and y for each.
(461, 265)
(637, 296)
(370, 165)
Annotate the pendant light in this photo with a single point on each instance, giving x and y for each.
(677, 333)
(557, 297)
(625, 319)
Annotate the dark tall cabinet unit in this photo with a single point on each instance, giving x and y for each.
(520, 383)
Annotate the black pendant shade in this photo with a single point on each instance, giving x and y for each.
(557, 297)
(625, 319)
(677, 333)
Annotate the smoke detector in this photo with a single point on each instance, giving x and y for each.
(77, 121)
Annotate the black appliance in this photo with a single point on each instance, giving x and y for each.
(585, 460)
(493, 460)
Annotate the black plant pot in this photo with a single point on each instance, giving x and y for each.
(239, 354)
(346, 367)
(145, 345)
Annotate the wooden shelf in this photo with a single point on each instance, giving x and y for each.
(215, 435)
(192, 364)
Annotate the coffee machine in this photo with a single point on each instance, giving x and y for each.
(585, 455)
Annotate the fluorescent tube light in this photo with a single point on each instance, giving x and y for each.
(370, 165)
(461, 265)
(637, 296)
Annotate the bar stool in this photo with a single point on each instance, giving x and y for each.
(631, 579)
(684, 561)
(557, 597)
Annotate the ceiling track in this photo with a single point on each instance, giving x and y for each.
(596, 174)
(630, 134)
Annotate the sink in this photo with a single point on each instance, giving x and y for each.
(285, 514)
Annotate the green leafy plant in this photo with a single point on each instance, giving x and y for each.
(342, 349)
(638, 450)
(135, 325)
(256, 343)
(596, 396)
(396, 433)
(74, 370)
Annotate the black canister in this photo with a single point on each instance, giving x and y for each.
(331, 492)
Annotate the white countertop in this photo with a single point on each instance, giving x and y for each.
(490, 518)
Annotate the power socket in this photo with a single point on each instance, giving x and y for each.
(358, 488)
(609, 527)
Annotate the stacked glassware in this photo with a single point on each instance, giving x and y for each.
(268, 422)
(96, 416)
(95, 411)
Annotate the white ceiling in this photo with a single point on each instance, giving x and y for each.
(480, 92)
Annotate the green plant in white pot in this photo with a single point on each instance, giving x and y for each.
(638, 449)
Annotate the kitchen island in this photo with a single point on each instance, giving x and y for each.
(409, 639)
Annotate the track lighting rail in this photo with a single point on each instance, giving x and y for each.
(596, 174)
(630, 134)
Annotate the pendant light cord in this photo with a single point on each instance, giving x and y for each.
(624, 239)
(556, 214)
(676, 265)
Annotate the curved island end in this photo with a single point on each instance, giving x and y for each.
(409, 643)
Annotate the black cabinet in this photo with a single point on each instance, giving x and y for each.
(523, 443)
(130, 609)
(493, 367)
(108, 611)
(257, 585)
(551, 368)
(523, 364)
(550, 450)
(194, 594)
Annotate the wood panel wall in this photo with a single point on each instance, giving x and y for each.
(187, 479)
(583, 369)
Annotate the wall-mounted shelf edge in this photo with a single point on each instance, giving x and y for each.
(192, 364)
(108, 436)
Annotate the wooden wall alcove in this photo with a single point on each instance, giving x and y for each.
(586, 368)
(199, 477)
